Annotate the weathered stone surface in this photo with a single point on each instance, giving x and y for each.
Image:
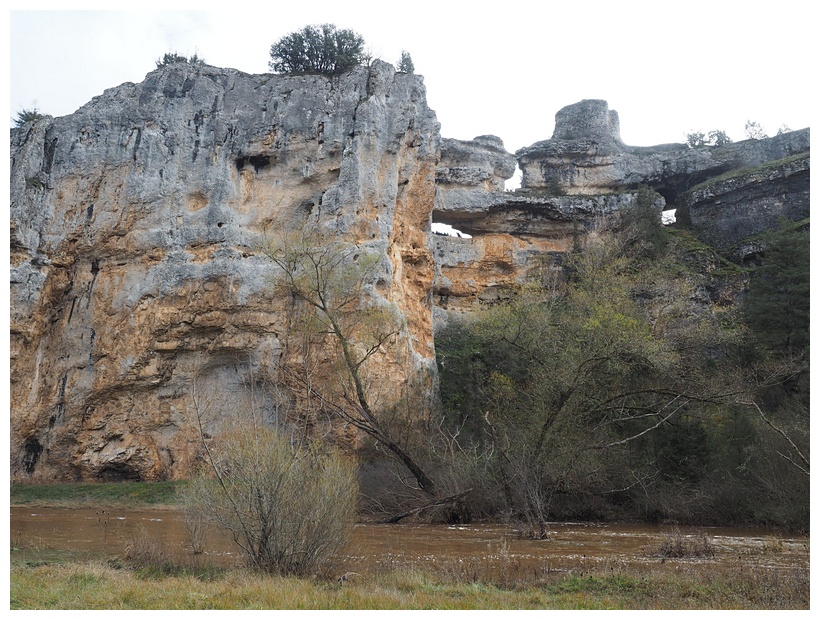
(525, 213)
(725, 211)
(590, 119)
(481, 162)
(136, 229)
(470, 177)
(484, 269)
(137, 225)
(587, 156)
(470, 193)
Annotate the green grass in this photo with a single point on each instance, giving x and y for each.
(689, 248)
(95, 585)
(91, 494)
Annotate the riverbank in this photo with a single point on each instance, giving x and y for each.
(135, 558)
(94, 494)
(98, 585)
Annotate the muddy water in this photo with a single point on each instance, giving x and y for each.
(86, 533)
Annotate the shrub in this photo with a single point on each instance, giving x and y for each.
(755, 131)
(288, 506)
(676, 545)
(641, 229)
(718, 137)
(695, 139)
(172, 58)
(27, 115)
(317, 50)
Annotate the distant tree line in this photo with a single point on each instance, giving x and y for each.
(718, 137)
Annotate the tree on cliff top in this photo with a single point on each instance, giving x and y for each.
(405, 64)
(317, 49)
(27, 115)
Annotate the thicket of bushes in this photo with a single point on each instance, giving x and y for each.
(613, 388)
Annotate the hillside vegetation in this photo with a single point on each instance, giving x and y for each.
(623, 386)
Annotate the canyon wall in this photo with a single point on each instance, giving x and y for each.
(724, 194)
(139, 228)
(138, 233)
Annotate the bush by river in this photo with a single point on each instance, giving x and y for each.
(576, 568)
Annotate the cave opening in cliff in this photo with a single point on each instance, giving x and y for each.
(31, 454)
(118, 472)
(670, 196)
(257, 161)
(514, 182)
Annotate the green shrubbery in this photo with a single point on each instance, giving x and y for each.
(317, 50)
(172, 58)
(27, 115)
(607, 391)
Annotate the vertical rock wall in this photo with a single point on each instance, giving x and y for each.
(137, 230)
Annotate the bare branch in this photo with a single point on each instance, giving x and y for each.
(783, 434)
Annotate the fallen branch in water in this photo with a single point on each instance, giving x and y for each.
(439, 502)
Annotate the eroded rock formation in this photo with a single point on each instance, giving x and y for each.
(137, 228)
(734, 207)
(584, 172)
(586, 156)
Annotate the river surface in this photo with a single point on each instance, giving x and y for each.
(87, 533)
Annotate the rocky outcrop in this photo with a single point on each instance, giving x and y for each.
(137, 229)
(510, 231)
(727, 210)
(585, 172)
(586, 156)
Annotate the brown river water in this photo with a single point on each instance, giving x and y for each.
(87, 533)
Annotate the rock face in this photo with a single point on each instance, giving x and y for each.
(137, 228)
(586, 156)
(727, 210)
(584, 172)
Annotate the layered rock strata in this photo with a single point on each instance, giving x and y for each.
(585, 172)
(138, 225)
(727, 210)
(586, 156)
(510, 232)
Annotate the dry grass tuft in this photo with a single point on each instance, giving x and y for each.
(677, 545)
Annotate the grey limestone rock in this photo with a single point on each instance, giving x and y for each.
(728, 210)
(138, 228)
(586, 156)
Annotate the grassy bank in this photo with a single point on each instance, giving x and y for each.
(147, 576)
(133, 494)
(102, 586)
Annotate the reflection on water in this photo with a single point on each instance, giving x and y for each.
(107, 533)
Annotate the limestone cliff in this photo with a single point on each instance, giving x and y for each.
(586, 156)
(137, 225)
(585, 171)
(731, 208)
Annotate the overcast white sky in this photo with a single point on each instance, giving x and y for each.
(489, 68)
